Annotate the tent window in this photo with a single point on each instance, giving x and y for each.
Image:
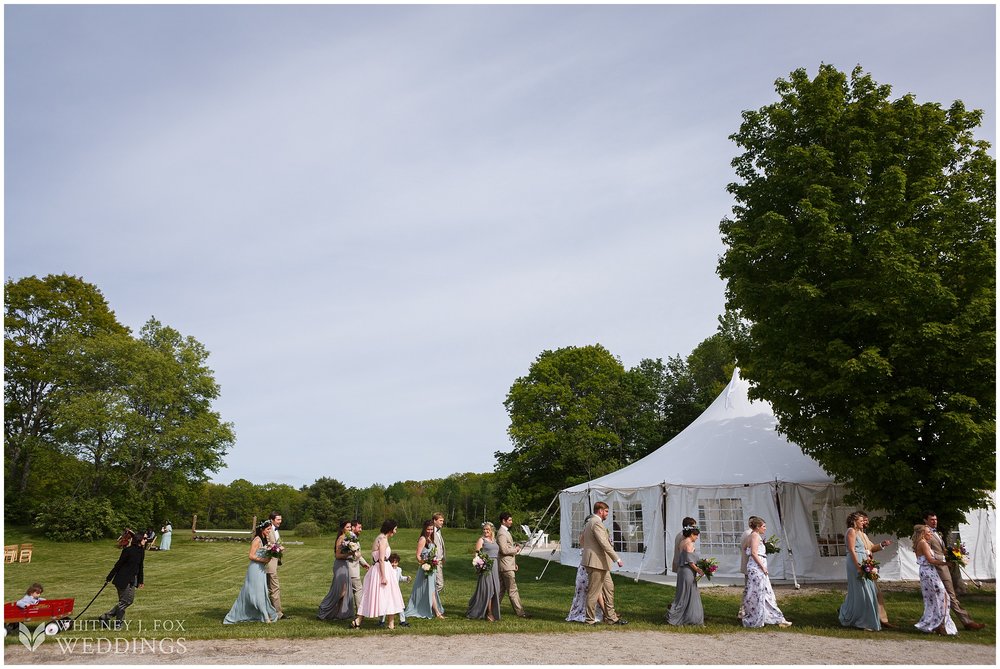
(626, 528)
(829, 524)
(578, 511)
(721, 523)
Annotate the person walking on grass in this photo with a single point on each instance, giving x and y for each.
(598, 556)
(508, 565)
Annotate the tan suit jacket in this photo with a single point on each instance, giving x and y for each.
(598, 553)
(507, 549)
(272, 538)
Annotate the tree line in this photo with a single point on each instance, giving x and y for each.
(104, 428)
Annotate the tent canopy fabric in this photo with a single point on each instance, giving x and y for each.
(735, 441)
(728, 464)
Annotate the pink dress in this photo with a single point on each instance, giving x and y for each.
(379, 600)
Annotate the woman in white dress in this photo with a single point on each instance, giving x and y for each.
(759, 605)
(937, 605)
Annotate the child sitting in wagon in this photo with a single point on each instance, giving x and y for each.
(31, 597)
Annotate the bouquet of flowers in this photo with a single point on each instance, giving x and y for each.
(350, 545)
(274, 550)
(482, 562)
(869, 570)
(957, 553)
(772, 545)
(707, 565)
(429, 559)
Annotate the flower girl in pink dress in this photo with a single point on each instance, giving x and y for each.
(380, 594)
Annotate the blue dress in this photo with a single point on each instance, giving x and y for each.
(253, 603)
(423, 594)
(860, 609)
(165, 536)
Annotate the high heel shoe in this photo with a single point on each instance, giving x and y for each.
(355, 625)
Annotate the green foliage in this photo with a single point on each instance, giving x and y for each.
(42, 318)
(579, 414)
(862, 251)
(116, 416)
(307, 529)
(71, 519)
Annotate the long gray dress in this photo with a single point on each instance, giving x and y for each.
(487, 587)
(338, 603)
(687, 608)
(253, 603)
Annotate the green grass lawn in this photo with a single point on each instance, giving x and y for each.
(194, 584)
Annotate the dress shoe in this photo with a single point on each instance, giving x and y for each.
(889, 626)
(785, 623)
(620, 621)
(526, 616)
(974, 626)
(404, 624)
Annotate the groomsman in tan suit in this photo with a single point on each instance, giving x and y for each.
(507, 564)
(273, 584)
(597, 558)
(937, 547)
(438, 519)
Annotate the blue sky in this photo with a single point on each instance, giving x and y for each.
(376, 217)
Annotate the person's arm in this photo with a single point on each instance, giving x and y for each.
(383, 559)
(479, 544)
(118, 565)
(923, 548)
(255, 545)
(849, 540)
(421, 543)
(754, 545)
(605, 542)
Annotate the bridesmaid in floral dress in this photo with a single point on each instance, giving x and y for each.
(860, 609)
(937, 606)
(759, 605)
(380, 594)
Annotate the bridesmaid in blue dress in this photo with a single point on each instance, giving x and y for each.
(253, 603)
(425, 600)
(485, 601)
(860, 609)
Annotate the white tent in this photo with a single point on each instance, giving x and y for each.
(729, 464)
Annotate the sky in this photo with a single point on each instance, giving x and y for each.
(377, 217)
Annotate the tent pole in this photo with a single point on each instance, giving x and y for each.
(663, 513)
(784, 533)
(530, 548)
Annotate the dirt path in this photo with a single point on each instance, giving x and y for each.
(601, 647)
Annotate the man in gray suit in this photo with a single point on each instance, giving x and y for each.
(507, 564)
(937, 544)
(354, 565)
(597, 557)
(273, 584)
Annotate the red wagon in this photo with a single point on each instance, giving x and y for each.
(55, 611)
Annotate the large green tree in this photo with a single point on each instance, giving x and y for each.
(568, 417)
(862, 252)
(42, 319)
